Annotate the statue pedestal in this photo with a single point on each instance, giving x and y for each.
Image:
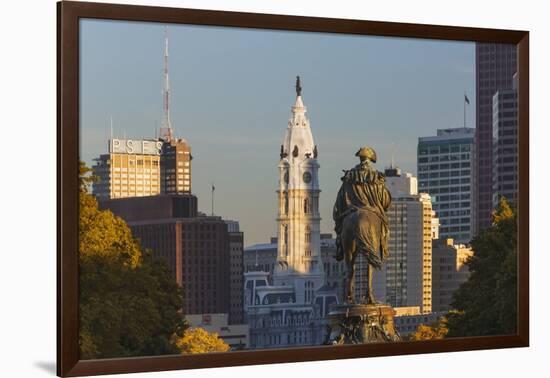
(361, 324)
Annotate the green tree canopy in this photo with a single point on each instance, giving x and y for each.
(129, 303)
(486, 304)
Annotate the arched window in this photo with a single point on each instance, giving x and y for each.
(307, 206)
(286, 203)
(308, 234)
(285, 239)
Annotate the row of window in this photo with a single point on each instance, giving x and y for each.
(132, 162)
(423, 176)
(451, 148)
(445, 222)
(453, 213)
(452, 189)
(307, 205)
(125, 183)
(446, 230)
(452, 205)
(132, 170)
(424, 184)
(435, 167)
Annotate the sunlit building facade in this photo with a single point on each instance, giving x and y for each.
(449, 271)
(406, 276)
(130, 169)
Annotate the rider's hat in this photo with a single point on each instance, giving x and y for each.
(367, 152)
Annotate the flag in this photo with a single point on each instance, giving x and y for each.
(466, 99)
(213, 187)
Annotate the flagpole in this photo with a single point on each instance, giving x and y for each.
(213, 199)
(464, 109)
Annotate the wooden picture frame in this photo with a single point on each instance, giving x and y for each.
(69, 14)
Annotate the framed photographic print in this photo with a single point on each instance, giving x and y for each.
(239, 188)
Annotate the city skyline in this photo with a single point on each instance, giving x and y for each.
(237, 115)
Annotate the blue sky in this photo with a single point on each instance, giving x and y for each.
(232, 90)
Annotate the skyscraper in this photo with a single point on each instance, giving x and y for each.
(130, 169)
(405, 279)
(505, 145)
(135, 168)
(445, 172)
(496, 65)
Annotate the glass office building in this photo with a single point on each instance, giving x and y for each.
(445, 171)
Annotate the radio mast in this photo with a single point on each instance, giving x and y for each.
(166, 127)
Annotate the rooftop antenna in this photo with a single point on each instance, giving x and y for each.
(166, 128)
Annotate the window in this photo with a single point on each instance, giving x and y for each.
(285, 238)
(308, 234)
(307, 206)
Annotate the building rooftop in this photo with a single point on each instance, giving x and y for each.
(164, 206)
(454, 134)
(260, 246)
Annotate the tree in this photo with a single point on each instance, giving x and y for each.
(198, 340)
(129, 304)
(486, 304)
(435, 331)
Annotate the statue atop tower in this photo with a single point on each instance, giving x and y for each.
(298, 86)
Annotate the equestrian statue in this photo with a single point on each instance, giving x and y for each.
(361, 223)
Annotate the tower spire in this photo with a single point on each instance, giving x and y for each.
(298, 248)
(166, 128)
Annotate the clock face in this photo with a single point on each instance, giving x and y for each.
(286, 177)
(307, 177)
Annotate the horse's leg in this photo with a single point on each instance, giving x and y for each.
(350, 259)
(347, 290)
(370, 295)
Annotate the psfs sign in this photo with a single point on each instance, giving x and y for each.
(130, 146)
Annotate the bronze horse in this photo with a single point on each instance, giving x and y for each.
(360, 231)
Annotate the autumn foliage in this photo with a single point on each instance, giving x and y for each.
(129, 304)
(197, 340)
(435, 331)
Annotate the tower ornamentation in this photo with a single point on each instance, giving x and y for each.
(298, 219)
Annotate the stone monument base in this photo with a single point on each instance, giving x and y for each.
(361, 324)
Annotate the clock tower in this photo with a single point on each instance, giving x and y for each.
(298, 220)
